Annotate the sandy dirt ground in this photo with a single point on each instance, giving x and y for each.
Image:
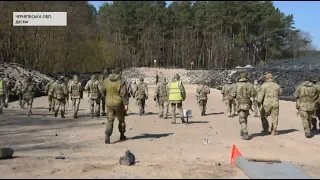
(162, 150)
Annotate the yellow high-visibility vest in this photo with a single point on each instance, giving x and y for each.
(175, 92)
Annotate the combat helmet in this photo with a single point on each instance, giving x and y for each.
(243, 77)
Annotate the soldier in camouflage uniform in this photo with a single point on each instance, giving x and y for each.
(103, 96)
(76, 94)
(177, 95)
(69, 96)
(94, 90)
(117, 102)
(307, 96)
(60, 92)
(3, 94)
(243, 92)
(202, 97)
(161, 97)
(255, 102)
(226, 92)
(141, 95)
(28, 90)
(268, 98)
(50, 96)
(18, 87)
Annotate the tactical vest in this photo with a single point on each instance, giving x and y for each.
(75, 89)
(175, 91)
(228, 91)
(1, 88)
(59, 94)
(94, 90)
(29, 92)
(163, 90)
(141, 93)
(113, 97)
(244, 94)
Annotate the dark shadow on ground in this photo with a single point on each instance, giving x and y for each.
(279, 132)
(214, 113)
(197, 122)
(146, 135)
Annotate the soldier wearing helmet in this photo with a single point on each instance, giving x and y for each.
(94, 91)
(76, 94)
(228, 98)
(28, 91)
(60, 92)
(256, 86)
(50, 96)
(243, 91)
(102, 96)
(141, 95)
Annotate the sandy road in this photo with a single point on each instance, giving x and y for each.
(162, 150)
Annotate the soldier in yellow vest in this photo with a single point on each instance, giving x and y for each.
(177, 94)
(117, 101)
(3, 94)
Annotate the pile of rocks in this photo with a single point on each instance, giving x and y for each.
(14, 70)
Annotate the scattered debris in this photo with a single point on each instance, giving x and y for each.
(60, 157)
(128, 159)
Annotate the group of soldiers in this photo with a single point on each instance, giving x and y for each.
(265, 99)
(24, 88)
(113, 94)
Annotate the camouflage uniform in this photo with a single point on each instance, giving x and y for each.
(228, 98)
(141, 95)
(161, 97)
(28, 91)
(177, 103)
(94, 90)
(117, 101)
(60, 92)
(76, 94)
(3, 94)
(243, 92)
(268, 98)
(316, 118)
(69, 96)
(202, 97)
(50, 96)
(103, 96)
(17, 89)
(255, 102)
(307, 97)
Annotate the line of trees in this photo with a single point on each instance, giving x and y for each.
(217, 34)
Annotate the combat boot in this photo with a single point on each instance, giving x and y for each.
(245, 136)
(104, 114)
(160, 116)
(55, 113)
(314, 129)
(62, 114)
(308, 134)
(75, 116)
(49, 108)
(122, 137)
(273, 133)
(107, 139)
(183, 121)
